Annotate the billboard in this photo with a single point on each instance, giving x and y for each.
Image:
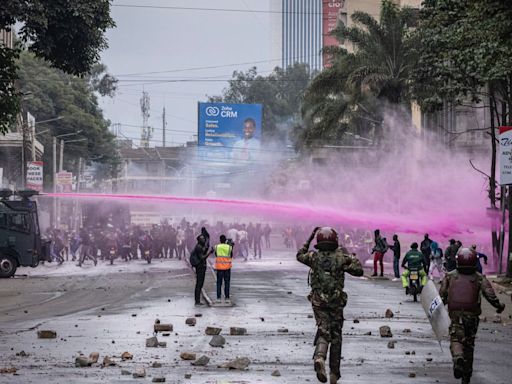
(34, 175)
(64, 181)
(505, 155)
(334, 12)
(229, 132)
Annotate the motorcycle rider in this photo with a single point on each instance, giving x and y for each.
(414, 260)
(328, 266)
(462, 290)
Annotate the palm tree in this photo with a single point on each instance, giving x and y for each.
(351, 93)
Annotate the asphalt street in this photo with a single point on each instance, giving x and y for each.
(112, 309)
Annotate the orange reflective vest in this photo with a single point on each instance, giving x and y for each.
(223, 257)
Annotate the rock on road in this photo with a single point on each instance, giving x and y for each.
(112, 309)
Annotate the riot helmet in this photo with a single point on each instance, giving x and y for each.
(326, 239)
(466, 260)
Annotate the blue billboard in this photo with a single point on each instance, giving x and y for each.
(230, 131)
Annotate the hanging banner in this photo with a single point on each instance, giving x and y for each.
(506, 155)
(34, 175)
(64, 181)
(334, 13)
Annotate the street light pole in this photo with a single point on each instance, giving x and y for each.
(54, 169)
(61, 159)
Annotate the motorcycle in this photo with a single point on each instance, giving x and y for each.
(415, 287)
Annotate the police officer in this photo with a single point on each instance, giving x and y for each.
(328, 266)
(462, 290)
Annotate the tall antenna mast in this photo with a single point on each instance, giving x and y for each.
(147, 131)
(164, 125)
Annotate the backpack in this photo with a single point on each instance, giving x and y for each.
(327, 278)
(195, 258)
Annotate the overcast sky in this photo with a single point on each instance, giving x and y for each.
(154, 40)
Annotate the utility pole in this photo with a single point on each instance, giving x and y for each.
(164, 124)
(54, 169)
(61, 157)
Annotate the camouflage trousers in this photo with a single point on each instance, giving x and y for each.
(330, 323)
(463, 329)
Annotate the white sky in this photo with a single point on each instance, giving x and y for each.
(151, 40)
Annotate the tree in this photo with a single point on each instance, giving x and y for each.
(68, 34)
(351, 93)
(54, 93)
(280, 93)
(466, 53)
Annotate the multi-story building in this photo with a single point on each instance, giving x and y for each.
(303, 26)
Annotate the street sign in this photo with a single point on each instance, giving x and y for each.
(64, 181)
(506, 155)
(34, 175)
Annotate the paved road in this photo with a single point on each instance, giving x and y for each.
(112, 309)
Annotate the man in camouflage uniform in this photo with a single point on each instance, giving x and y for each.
(462, 290)
(328, 266)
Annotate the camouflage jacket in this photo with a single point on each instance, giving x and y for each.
(327, 276)
(485, 289)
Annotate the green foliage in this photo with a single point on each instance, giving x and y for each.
(280, 93)
(9, 97)
(53, 93)
(465, 46)
(351, 94)
(67, 33)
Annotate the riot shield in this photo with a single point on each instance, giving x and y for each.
(435, 310)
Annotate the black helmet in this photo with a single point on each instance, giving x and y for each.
(326, 239)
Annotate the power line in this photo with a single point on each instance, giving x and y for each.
(232, 10)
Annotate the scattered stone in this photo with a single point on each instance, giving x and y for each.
(406, 330)
(483, 319)
(139, 373)
(282, 330)
(108, 362)
(94, 357)
(356, 321)
(126, 356)
(497, 319)
(191, 321)
(152, 342)
(166, 334)
(391, 344)
(369, 333)
(240, 364)
(412, 374)
(82, 361)
(198, 315)
(158, 380)
(134, 315)
(22, 354)
(187, 356)
(10, 370)
(162, 344)
(188, 375)
(407, 352)
(389, 314)
(157, 365)
(212, 331)
(413, 352)
(217, 341)
(202, 361)
(385, 331)
(157, 321)
(310, 316)
(234, 331)
(276, 373)
(46, 334)
(429, 359)
(262, 318)
(125, 372)
(163, 327)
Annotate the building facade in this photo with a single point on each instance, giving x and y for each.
(303, 26)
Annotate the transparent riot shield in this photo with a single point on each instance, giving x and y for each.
(435, 310)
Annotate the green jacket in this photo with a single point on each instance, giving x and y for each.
(414, 260)
(327, 276)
